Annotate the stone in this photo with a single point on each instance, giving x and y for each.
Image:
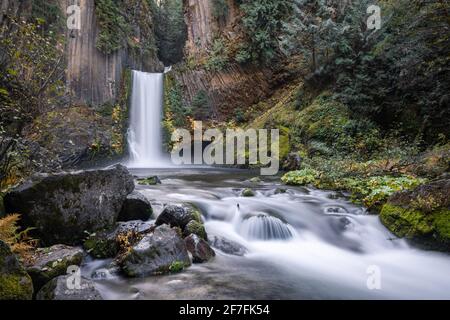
(61, 207)
(150, 181)
(292, 162)
(227, 246)
(421, 215)
(49, 263)
(247, 193)
(199, 248)
(15, 283)
(195, 227)
(179, 215)
(157, 253)
(136, 207)
(58, 289)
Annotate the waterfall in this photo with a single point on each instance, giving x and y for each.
(145, 133)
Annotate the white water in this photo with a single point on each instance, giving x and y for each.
(307, 246)
(145, 133)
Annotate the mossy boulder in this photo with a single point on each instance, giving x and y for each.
(247, 193)
(179, 215)
(157, 253)
(421, 215)
(49, 263)
(15, 283)
(106, 244)
(63, 206)
(197, 228)
(149, 181)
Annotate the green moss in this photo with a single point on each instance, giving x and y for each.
(404, 222)
(101, 247)
(15, 287)
(150, 181)
(432, 229)
(195, 227)
(176, 266)
(247, 193)
(301, 177)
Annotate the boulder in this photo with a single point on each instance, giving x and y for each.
(199, 248)
(247, 193)
(63, 206)
(106, 244)
(150, 181)
(136, 207)
(195, 227)
(421, 215)
(179, 215)
(65, 288)
(49, 263)
(15, 283)
(159, 252)
(227, 246)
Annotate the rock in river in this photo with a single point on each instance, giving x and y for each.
(63, 206)
(421, 215)
(49, 263)
(227, 246)
(156, 253)
(15, 283)
(136, 207)
(67, 288)
(199, 248)
(179, 215)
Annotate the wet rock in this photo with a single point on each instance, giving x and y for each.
(15, 283)
(421, 215)
(280, 191)
(255, 180)
(105, 244)
(199, 248)
(194, 227)
(293, 162)
(247, 193)
(49, 263)
(63, 206)
(150, 181)
(136, 207)
(179, 215)
(159, 252)
(227, 246)
(67, 288)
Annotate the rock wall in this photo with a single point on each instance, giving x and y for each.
(93, 78)
(234, 87)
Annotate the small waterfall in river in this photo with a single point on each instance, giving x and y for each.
(260, 226)
(145, 133)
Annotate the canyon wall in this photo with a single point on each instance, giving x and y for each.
(234, 86)
(93, 77)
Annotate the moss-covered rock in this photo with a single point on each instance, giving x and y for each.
(149, 181)
(421, 215)
(247, 193)
(15, 283)
(49, 263)
(197, 228)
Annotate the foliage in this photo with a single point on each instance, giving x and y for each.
(262, 20)
(218, 58)
(125, 24)
(301, 177)
(200, 105)
(31, 81)
(19, 240)
(170, 30)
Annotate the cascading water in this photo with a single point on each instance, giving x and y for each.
(145, 134)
